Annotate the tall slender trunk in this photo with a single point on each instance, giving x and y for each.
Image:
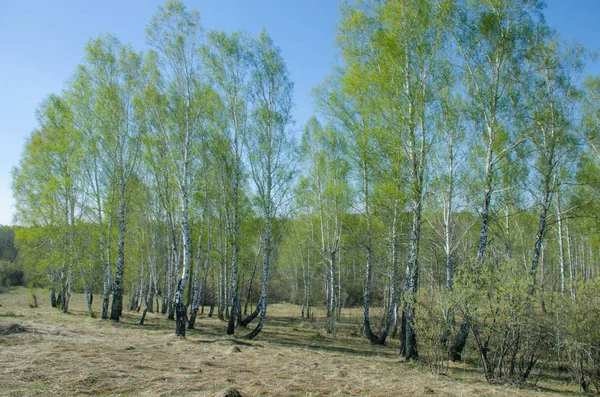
(572, 262)
(180, 308)
(339, 285)
(367, 290)
(448, 211)
(394, 280)
(306, 275)
(152, 280)
(106, 281)
(411, 285)
(173, 265)
(222, 265)
(234, 242)
(108, 273)
(196, 284)
(309, 292)
(202, 291)
(485, 206)
(212, 296)
(198, 296)
(332, 301)
(117, 304)
(540, 236)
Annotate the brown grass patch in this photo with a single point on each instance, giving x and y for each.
(77, 355)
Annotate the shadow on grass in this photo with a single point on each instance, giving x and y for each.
(291, 332)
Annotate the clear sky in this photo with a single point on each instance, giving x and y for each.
(41, 42)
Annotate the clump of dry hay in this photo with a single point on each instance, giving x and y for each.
(7, 329)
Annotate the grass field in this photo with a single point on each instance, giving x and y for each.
(73, 354)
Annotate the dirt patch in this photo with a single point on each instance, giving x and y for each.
(7, 329)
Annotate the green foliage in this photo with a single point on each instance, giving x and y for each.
(510, 332)
(11, 274)
(8, 251)
(579, 343)
(433, 327)
(434, 105)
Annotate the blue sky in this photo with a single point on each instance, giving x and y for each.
(41, 42)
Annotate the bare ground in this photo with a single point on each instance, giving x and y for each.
(73, 354)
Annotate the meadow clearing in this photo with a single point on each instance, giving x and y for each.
(74, 354)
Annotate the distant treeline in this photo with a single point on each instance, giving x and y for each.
(11, 272)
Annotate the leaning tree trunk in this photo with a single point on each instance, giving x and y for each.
(249, 292)
(148, 300)
(247, 320)
(262, 306)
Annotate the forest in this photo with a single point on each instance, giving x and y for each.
(447, 186)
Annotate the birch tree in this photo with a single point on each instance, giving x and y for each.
(492, 38)
(107, 90)
(555, 96)
(183, 122)
(47, 185)
(328, 198)
(270, 148)
(227, 61)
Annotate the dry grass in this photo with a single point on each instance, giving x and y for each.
(73, 354)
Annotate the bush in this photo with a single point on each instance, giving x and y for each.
(510, 331)
(580, 347)
(432, 325)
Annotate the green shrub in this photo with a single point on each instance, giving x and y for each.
(510, 330)
(432, 326)
(580, 346)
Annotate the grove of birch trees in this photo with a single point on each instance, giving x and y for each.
(447, 184)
